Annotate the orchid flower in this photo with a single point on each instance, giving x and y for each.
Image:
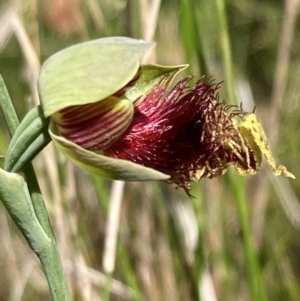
(122, 120)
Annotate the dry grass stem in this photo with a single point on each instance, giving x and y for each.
(149, 16)
(112, 229)
(279, 86)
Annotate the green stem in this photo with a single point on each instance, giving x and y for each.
(46, 249)
(37, 200)
(7, 108)
(53, 269)
(254, 273)
(226, 50)
(190, 34)
(238, 184)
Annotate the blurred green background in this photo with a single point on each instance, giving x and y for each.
(238, 238)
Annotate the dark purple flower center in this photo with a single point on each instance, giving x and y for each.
(187, 134)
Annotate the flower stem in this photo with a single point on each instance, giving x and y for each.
(46, 249)
(7, 108)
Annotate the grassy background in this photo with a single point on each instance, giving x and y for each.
(238, 239)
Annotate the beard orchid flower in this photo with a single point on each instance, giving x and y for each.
(119, 119)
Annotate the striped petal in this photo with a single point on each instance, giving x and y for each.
(95, 126)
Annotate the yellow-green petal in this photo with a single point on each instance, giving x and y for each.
(112, 168)
(89, 71)
(151, 76)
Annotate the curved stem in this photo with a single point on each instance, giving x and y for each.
(46, 248)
